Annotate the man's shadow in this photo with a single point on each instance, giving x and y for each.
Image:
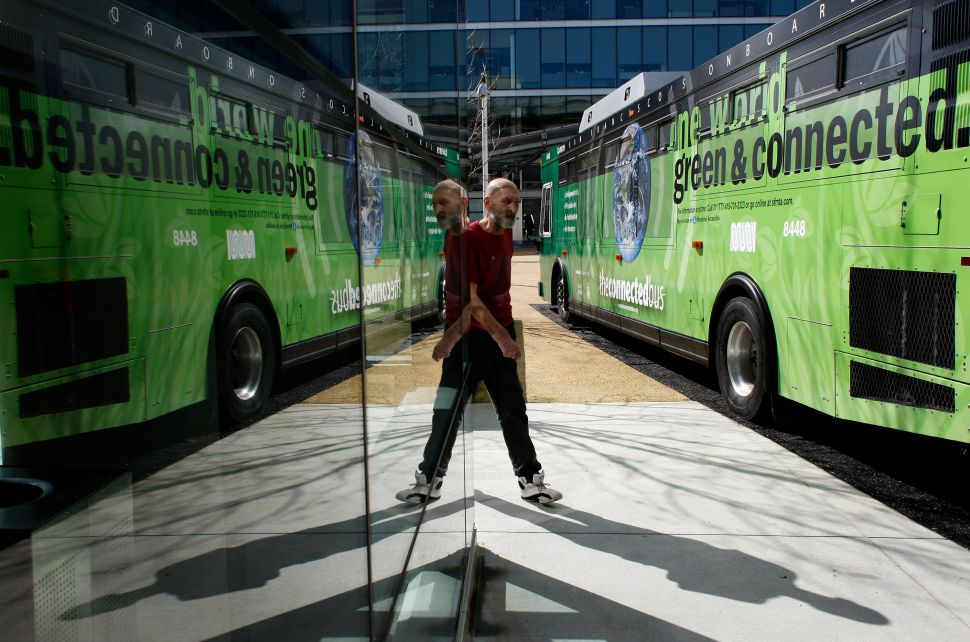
(691, 564)
(255, 563)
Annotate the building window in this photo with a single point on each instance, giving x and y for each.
(476, 11)
(654, 8)
(577, 9)
(705, 44)
(553, 58)
(629, 53)
(629, 8)
(502, 10)
(578, 61)
(680, 49)
(654, 49)
(604, 57)
(527, 58)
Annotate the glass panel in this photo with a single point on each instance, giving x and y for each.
(884, 52)
(680, 8)
(603, 10)
(705, 8)
(553, 58)
(411, 272)
(213, 504)
(782, 7)
(529, 9)
(628, 53)
(442, 70)
(578, 67)
(578, 9)
(680, 49)
(654, 49)
(97, 75)
(500, 55)
(476, 11)
(415, 10)
(815, 76)
(705, 44)
(629, 8)
(553, 9)
(163, 93)
(729, 35)
(416, 61)
(443, 11)
(502, 10)
(527, 63)
(654, 8)
(604, 57)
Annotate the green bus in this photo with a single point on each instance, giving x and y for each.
(181, 224)
(787, 214)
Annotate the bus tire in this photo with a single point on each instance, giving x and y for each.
(442, 297)
(562, 296)
(246, 362)
(743, 358)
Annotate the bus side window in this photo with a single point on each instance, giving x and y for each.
(610, 152)
(231, 116)
(324, 143)
(812, 78)
(344, 151)
(565, 169)
(876, 59)
(652, 134)
(156, 92)
(664, 130)
(94, 76)
(545, 217)
(748, 103)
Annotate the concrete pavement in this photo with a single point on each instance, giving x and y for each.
(677, 523)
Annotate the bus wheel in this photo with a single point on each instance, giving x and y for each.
(562, 296)
(442, 299)
(743, 358)
(246, 362)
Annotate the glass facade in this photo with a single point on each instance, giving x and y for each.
(545, 72)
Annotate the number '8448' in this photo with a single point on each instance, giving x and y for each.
(794, 228)
(184, 237)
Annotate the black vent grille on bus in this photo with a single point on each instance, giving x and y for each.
(951, 23)
(16, 47)
(70, 322)
(956, 77)
(869, 382)
(100, 390)
(904, 314)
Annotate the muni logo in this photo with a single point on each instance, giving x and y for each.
(241, 244)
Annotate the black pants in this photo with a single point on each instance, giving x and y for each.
(486, 364)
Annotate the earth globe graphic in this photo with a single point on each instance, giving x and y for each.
(366, 230)
(631, 192)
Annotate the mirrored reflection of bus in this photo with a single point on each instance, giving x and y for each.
(790, 213)
(180, 223)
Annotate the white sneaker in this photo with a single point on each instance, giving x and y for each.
(537, 491)
(421, 491)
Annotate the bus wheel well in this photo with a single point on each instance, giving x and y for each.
(556, 273)
(248, 291)
(742, 347)
(246, 352)
(559, 291)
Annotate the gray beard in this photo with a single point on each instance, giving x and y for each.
(502, 222)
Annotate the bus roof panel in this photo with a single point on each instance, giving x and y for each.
(390, 110)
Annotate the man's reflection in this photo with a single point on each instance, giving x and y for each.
(450, 203)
